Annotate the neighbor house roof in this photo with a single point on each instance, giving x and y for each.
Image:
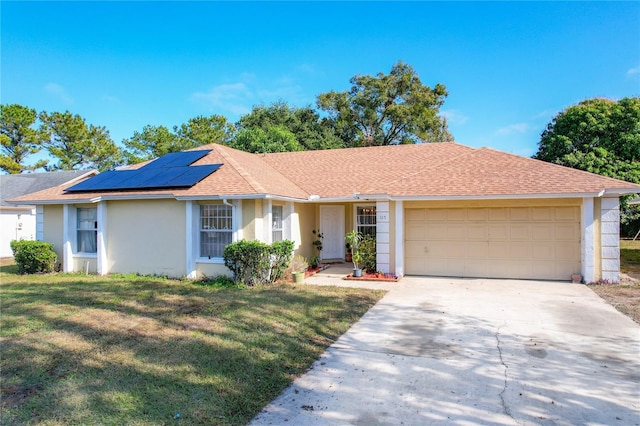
(437, 170)
(14, 186)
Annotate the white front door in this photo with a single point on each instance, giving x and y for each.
(332, 228)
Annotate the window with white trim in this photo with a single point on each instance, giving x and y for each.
(276, 223)
(87, 236)
(216, 229)
(366, 220)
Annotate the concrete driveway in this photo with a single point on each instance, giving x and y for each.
(467, 352)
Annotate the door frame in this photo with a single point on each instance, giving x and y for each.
(337, 229)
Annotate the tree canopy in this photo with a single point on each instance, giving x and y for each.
(77, 145)
(156, 141)
(597, 135)
(19, 138)
(304, 124)
(390, 109)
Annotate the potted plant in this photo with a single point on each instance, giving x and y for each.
(353, 239)
(298, 267)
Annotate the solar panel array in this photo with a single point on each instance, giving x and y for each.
(173, 170)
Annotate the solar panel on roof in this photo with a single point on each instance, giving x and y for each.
(169, 171)
(177, 159)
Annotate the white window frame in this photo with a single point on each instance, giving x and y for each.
(277, 226)
(358, 226)
(200, 229)
(86, 226)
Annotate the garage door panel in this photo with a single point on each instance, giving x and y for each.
(544, 250)
(415, 214)
(478, 214)
(416, 266)
(415, 248)
(416, 231)
(520, 268)
(498, 249)
(456, 214)
(475, 268)
(519, 214)
(543, 231)
(520, 231)
(499, 214)
(570, 214)
(542, 214)
(520, 250)
(567, 251)
(436, 215)
(498, 231)
(454, 249)
(516, 242)
(565, 269)
(476, 250)
(439, 267)
(457, 232)
(566, 231)
(437, 231)
(478, 231)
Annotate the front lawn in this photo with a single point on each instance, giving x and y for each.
(130, 350)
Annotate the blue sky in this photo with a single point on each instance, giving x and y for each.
(509, 67)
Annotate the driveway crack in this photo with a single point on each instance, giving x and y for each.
(506, 376)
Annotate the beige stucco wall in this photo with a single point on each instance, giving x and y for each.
(53, 229)
(249, 215)
(147, 237)
(303, 222)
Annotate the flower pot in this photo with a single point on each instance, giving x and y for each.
(298, 277)
(357, 272)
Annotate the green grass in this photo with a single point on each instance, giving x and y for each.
(129, 350)
(630, 256)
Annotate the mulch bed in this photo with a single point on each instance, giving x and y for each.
(373, 277)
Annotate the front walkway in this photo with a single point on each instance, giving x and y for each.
(453, 351)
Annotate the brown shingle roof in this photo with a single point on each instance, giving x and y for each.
(438, 170)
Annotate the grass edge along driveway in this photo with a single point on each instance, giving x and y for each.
(136, 350)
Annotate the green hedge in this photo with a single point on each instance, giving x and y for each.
(33, 257)
(254, 262)
(367, 249)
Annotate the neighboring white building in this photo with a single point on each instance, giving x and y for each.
(18, 221)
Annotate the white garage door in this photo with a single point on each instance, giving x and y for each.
(506, 242)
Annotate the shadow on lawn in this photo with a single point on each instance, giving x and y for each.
(142, 351)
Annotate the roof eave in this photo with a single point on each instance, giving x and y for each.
(497, 196)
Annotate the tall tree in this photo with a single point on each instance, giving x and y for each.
(305, 124)
(204, 130)
(599, 136)
(274, 139)
(77, 145)
(151, 142)
(387, 109)
(19, 138)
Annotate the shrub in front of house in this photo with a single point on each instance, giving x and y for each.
(254, 262)
(33, 257)
(368, 251)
